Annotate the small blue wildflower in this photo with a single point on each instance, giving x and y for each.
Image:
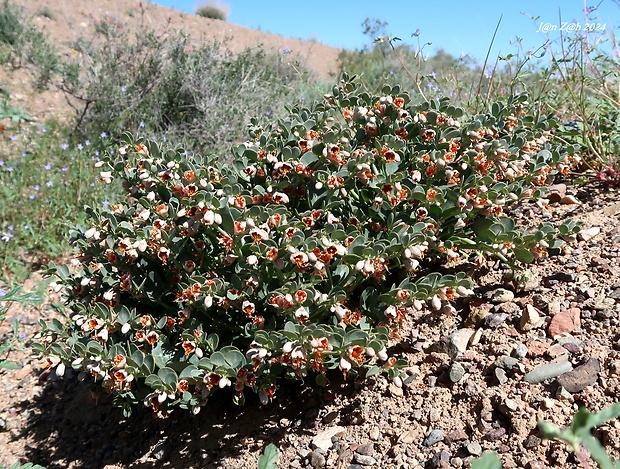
(49, 183)
(80, 146)
(104, 134)
(13, 137)
(48, 166)
(43, 130)
(416, 33)
(65, 169)
(1, 162)
(87, 143)
(92, 184)
(6, 236)
(64, 146)
(37, 187)
(105, 203)
(26, 227)
(123, 89)
(32, 196)
(96, 152)
(9, 169)
(24, 154)
(3, 292)
(111, 152)
(11, 227)
(141, 124)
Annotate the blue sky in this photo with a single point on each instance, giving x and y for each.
(459, 27)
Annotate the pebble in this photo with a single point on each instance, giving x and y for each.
(367, 449)
(456, 435)
(582, 376)
(532, 441)
(530, 318)
(323, 439)
(506, 362)
(501, 376)
(458, 340)
(474, 449)
(395, 391)
(330, 417)
(500, 295)
(374, 433)
(547, 371)
(364, 460)
(441, 459)
(565, 321)
(494, 320)
(520, 351)
(433, 437)
(316, 460)
(161, 451)
(588, 233)
(456, 372)
(570, 200)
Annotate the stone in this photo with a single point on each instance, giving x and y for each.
(532, 441)
(494, 320)
(367, 450)
(395, 391)
(584, 375)
(547, 371)
(456, 435)
(316, 460)
(506, 362)
(458, 340)
(330, 417)
(530, 318)
(409, 436)
(474, 448)
(374, 433)
(323, 439)
(570, 200)
(441, 460)
(161, 451)
(565, 321)
(495, 434)
(537, 348)
(520, 351)
(500, 295)
(501, 376)
(563, 395)
(21, 374)
(588, 233)
(456, 372)
(433, 437)
(364, 460)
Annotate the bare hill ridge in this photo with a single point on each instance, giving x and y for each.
(66, 20)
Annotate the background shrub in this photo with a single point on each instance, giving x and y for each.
(213, 11)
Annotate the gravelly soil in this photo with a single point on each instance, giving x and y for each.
(466, 390)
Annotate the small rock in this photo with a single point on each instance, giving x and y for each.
(456, 372)
(323, 439)
(367, 450)
(556, 350)
(589, 233)
(395, 391)
(530, 318)
(364, 460)
(459, 340)
(475, 339)
(582, 376)
(501, 376)
(21, 374)
(495, 434)
(161, 451)
(456, 435)
(354, 466)
(409, 436)
(316, 460)
(561, 276)
(565, 321)
(477, 314)
(547, 371)
(374, 433)
(520, 351)
(474, 448)
(506, 362)
(500, 295)
(433, 437)
(570, 200)
(494, 320)
(532, 441)
(564, 395)
(537, 348)
(441, 460)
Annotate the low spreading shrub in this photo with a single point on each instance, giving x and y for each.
(213, 11)
(330, 228)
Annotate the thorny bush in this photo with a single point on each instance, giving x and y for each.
(303, 255)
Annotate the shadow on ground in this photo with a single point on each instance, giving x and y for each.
(70, 428)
